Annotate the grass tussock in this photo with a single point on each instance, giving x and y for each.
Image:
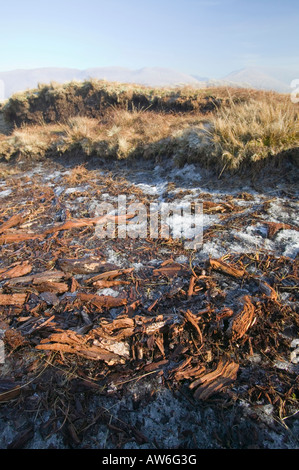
(219, 128)
(244, 134)
(255, 131)
(29, 141)
(77, 175)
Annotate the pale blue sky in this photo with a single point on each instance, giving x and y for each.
(208, 37)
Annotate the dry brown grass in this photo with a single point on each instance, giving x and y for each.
(241, 128)
(77, 176)
(122, 133)
(255, 130)
(29, 141)
(245, 133)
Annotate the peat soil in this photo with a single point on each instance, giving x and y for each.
(141, 343)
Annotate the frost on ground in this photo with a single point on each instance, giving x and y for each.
(235, 220)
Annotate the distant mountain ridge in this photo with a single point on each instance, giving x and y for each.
(254, 77)
(20, 80)
(258, 78)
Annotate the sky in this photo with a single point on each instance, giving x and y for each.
(209, 38)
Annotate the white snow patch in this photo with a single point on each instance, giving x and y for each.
(59, 190)
(279, 211)
(137, 266)
(152, 189)
(212, 250)
(5, 193)
(251, 240)
(108, 291)
(114, 258)
(78, 189)
(181, 259)
(288, 240)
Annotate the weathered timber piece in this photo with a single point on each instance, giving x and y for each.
(108, 342)
(171, 270)
(211, 207)
(102, 301)
(243, 320)
(274, 227)
(67, 341)
(118, 329)
(213, 382)
(16, 270)
(17, 237)
(193, 320)
(225, 312)
(52, 287)
(15, 300)
(85, 265)
(40, 278)
(109, 275)
(219, 265)
(186, 371)
(108, 284)
(15, 220)
(191, 287)
(268, 290)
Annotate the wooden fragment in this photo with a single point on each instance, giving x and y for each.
(225, 312)
(13, 299)
(109, 275)
(102, 301)
(84, 265)
(50, 298)
(160, 344)
(18, 237)
(210, 207)
(274, 227)
(12, 222)
(171, 270)
(219, 265)
(243, 320)
(191, 286)
(108, 284)
(115, 345)
(46, 276)
(268, 290)
(130, 309)
(93, 352)
(186, 371)
(120, 328)
(213, 382)
(17, 270)
(53, 287)
(74, 285)
(193, 320)
(42, 325)
(14, 338)
(190, 373)
(155, 365)
(70, 342)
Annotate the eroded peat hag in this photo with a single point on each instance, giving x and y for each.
(141, 342)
